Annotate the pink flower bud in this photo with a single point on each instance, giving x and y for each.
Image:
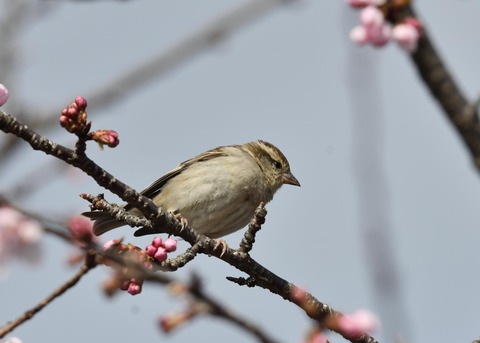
(151, 250)
(64, 121)
(161, 254)
(371, 17)
(157, 242)
(172, 321)
(108, 137)
(357, 323)
(406, 36)
(359, 35)
(170, 244)
(109, 244)
(81, 229)
(380, 36)
(81, 103)
(124, 285)
(3, 95)
(72, 111)
(134, 288)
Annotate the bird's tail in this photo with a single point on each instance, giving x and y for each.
(103, 222)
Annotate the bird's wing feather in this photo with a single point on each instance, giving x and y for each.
(156, 186)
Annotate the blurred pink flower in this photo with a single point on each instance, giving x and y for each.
(3, 95)
(134, 288)
(172, 321)
(407, 34)
(374, 29)
(357, 323)
(81, 229)
(13, 340)
(19, 237)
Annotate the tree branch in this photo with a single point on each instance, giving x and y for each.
(462, 114)
(89, 264)
(167, 223)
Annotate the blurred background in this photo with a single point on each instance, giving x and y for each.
(387, 215)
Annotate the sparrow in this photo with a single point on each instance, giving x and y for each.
(217, 191)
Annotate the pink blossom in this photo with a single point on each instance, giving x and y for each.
(3, 95)
(357, 323)
(407, 35)
(170, 244)
(371, 17)
(359, 35)
(374, 29)
(19, 236)
(81, 229)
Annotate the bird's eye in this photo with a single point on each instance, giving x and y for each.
(277, 164)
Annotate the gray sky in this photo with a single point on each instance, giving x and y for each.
(290, 77)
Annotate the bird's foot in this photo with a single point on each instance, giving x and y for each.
(220, 243)
(183, 222)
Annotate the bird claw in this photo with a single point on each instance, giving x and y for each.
(183, 222)
(223, 244)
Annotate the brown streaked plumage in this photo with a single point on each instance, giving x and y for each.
(217, 191)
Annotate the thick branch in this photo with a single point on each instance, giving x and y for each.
(169, 224)
(462, 114)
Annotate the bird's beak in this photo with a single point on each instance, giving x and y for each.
(289, 179)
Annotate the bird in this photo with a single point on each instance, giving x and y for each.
(217, 191)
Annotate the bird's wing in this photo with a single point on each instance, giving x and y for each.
(156, 187)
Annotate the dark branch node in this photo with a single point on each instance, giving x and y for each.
(241, 281)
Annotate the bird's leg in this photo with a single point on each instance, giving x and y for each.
(222, 243)
(183, 222)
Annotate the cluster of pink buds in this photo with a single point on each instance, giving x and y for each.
(124, 280)
(74, 117)
(74, 120)
(375, 29)
(159, 249)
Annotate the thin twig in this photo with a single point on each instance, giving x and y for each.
(254, 226)
(89, 264)
(218, 310)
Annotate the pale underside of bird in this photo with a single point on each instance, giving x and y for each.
(217, 191)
